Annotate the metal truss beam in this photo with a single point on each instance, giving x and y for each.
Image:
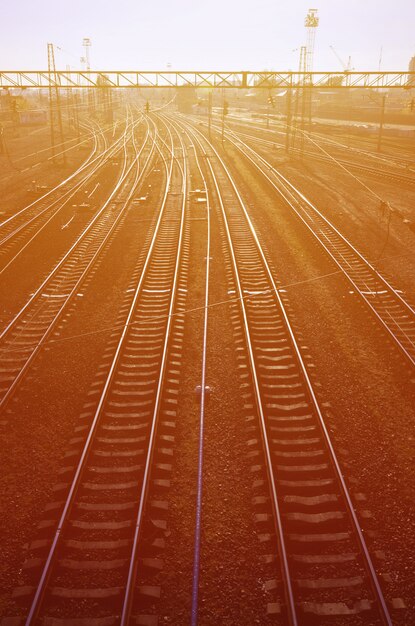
(210, 80)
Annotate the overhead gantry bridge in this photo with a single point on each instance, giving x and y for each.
(211, 80)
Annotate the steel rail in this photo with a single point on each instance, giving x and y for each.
(125, 172)
(293, 192)
(289, 593)
(128, 599)
(71, 249)
(89, 160)
(19, 228)
(373, 579)
(70, 499)
(89, 134)
(97, 162)
(396, 176)
(280, 128)
(199, 501)
(200, 461)
(59, 201)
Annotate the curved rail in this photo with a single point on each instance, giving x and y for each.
(367, 169)
(88, 169)
(393, 312)
(57, 188)
(381, 159)
(25, 335)
(130, 400)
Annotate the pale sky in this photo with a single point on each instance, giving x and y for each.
(205, 34)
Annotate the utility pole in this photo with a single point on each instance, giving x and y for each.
(271, 105)
(223, 121)
(75, 101)
(288, 121)
(305, 93)
(225, 110)
(268, 108)
(209, 113)
(104, 99)
(311, 22)
(299, 92)
(55, 112)
(381, 121)
(86, 42)
(51, 63)
(69, 105)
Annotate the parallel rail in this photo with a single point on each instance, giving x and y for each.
(23, 217)
(393, 312)
(21, 228)
(279, 127)
(354, 165)
(25, 335)
(99, 524)
(199, 182)
(317, 528)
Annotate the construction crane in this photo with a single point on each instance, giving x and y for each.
(348, 67)
(311, 22)
(306, 66)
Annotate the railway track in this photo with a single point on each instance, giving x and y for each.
(26, 333)
(100, 540)
(325, 563)
(21, 228)
(379, 171)
(22, 217)
(103, 532)
(390, 308)
(403, 162)
(25, 164)
(199, 202)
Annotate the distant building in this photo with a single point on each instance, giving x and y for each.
(36, 117)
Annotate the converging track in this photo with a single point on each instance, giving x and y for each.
(19, 230)
(126, 444)
(390, 308)
(27, 332)
(95, 558)
(400, 171)
(325, 563)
